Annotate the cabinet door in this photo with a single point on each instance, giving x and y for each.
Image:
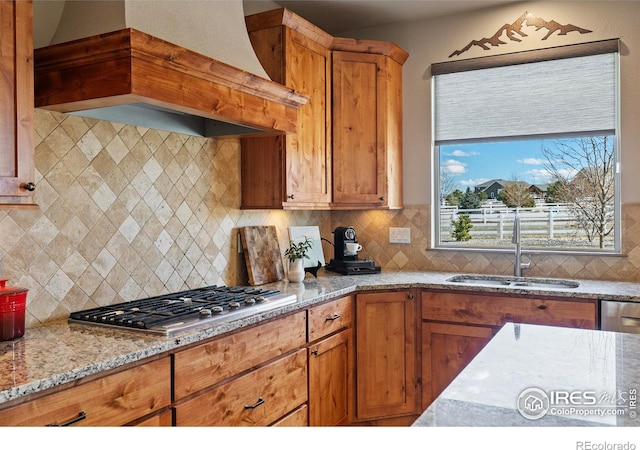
(308, 154)
(291, 171)
(446, 351)
(330, 368)
(386, 369)
(16, 107)
(359, 134)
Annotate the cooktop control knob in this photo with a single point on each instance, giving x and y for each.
(234, 305)
(260, 299)
(217, 309)
(250, 301)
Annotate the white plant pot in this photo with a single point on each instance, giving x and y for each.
(296, 271)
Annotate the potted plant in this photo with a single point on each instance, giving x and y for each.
(296, 253)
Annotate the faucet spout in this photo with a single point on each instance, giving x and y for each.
(517, 239)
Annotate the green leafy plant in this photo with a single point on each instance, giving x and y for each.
(298, 250)
(462, 227)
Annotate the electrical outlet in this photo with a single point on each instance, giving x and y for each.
(399, 235)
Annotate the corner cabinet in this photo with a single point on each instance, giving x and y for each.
(367, 124)
(387, 362)
(347, 152)
(16, 108)
(291, 171)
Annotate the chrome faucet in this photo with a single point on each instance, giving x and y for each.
(516, 239)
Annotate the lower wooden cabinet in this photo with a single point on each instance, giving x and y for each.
(112, 400)
(297, 418)
(446, 350)
(259, 398)
(457, 325)
(386, 361)
(330, 380)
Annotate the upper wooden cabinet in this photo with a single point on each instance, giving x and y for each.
(367, 124)
(291, 171)
(347, 153)
(16, 108)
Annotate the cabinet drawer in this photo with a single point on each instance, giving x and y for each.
(330, 317)
(258, 398)
(298, 418)
(495, 310)
(110, 401)
(215, 361)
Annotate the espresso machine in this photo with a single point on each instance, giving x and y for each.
(345, 254)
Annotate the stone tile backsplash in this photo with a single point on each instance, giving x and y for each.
(129, 212)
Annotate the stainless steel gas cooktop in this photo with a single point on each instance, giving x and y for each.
(186, 310)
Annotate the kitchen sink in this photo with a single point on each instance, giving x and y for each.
(515, 282)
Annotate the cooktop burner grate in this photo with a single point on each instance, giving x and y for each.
(170, 313)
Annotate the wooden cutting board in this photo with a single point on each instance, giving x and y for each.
(262, 254)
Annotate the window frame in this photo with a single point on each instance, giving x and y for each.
(569, 51)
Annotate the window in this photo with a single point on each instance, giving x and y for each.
(532, 134)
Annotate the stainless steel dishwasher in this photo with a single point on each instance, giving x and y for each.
(620, 316)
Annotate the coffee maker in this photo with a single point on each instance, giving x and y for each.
(345, 254)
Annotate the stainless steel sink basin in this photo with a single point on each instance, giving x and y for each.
(515, 282)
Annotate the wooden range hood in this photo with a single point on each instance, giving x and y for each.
(128, 76)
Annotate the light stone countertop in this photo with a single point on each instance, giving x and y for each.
(58, 352)
(555, 376)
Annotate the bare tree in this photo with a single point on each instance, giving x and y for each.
(447, 185)
(584, 170)
(516, 194)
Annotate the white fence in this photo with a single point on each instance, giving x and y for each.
(495, 221)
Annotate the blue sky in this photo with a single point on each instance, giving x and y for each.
(472, 164)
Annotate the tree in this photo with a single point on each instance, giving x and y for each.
(516, 195)
(461, 228)
(554, 192)
(455, 197)
(447, 186)
(469, 200)
(584, 168)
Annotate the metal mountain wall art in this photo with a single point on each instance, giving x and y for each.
(514, 32)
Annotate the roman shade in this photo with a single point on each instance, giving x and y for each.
(573, 92)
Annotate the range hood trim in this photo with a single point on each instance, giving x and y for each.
(131, 67)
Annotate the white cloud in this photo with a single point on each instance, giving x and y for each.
(453, 167)
(532, 161)
(462, 153)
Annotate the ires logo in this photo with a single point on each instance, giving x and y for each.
(534, 403)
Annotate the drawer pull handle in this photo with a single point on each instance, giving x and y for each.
(314, 352)
(334, 317)
(81, 416)
(542, 307)
(256, 404)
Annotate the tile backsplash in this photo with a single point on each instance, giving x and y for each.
(129, 212)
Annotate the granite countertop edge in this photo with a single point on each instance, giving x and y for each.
(57, 352)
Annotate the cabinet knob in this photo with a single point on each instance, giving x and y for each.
(410, 296)
(542, 306)
(314, 352)
(29, 186)
(292, 196)
(382, 198)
